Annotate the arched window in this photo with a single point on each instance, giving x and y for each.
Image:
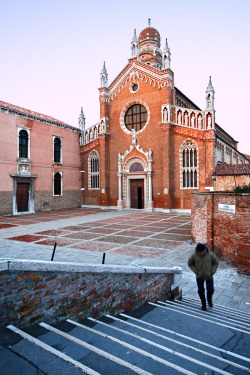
(189, 166)
(57, 150)
(94, 181)
(136, 167)
(23, 144)
(57, 183)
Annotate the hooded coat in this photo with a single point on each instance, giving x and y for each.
(203, 266)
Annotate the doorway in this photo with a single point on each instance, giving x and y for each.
(137, 193)
(22, 196)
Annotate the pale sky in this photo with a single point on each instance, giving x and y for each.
(52, 52)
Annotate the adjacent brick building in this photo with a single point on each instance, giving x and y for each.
(229, 176)
(39, 162)
(152, 146)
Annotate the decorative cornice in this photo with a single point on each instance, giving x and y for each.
(139, 71)
(30, 115)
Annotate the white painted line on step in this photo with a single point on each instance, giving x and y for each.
(174, 352)
(135, 349)
(179, 343)
(94, 349)
(187, 338)
(226, 314)
(224, 308)
(165, 306)
(244, 317)
(212, 316)
(49, 349)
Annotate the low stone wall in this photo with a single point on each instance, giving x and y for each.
(222, 220)
(31, 292)
(6, 202)
(45, 201)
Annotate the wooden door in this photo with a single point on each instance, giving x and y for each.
(22, 197)
(137, 193)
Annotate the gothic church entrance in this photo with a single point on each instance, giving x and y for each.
(137, 193)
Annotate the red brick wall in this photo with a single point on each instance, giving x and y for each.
(227, 233)
(27, 297)
(223, 183)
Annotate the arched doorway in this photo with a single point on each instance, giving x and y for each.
(136, 186)
(137, 193)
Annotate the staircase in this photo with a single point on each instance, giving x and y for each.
(160, 338)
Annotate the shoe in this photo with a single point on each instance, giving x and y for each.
(209, 299)
(204, 308)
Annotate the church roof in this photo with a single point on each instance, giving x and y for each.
(149, 34)
(232, 169)
(32, 115)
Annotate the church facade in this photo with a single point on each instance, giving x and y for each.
(152, 146)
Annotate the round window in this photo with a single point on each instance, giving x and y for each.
(135, 87)
(135, 117)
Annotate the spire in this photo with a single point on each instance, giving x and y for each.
(134, 45)
(210, 95)
(81, 123)
(104, 76)
(210, 86)
(166, 56)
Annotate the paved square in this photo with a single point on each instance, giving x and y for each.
(135, 238)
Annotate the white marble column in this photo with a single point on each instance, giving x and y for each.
(150, 189)
(119, 174)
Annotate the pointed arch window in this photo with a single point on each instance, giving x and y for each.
(23, 144)
(57, 183)
(94, 173)
(189, 166)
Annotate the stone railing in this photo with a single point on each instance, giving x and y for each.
(195, 119)
(34, 291)
(92, 133)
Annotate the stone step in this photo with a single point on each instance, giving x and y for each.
(160, 338)
(213, 313)
(205, 316)
(225, 311)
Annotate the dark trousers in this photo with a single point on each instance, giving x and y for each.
(201, 290)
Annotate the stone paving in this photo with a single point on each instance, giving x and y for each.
(132, 237)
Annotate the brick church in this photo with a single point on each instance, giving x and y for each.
(153, 146)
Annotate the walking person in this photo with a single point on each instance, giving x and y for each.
(204, 264)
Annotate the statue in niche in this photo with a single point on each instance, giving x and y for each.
(87, 138)
(200, 122)
(209, 101)
(150, 154)
(193, 121)
(91, 136)
(209, 122)
(102, 126)
(134, 137)
(95, 133)
(186, 119)
(179, 118)
(165, 115)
